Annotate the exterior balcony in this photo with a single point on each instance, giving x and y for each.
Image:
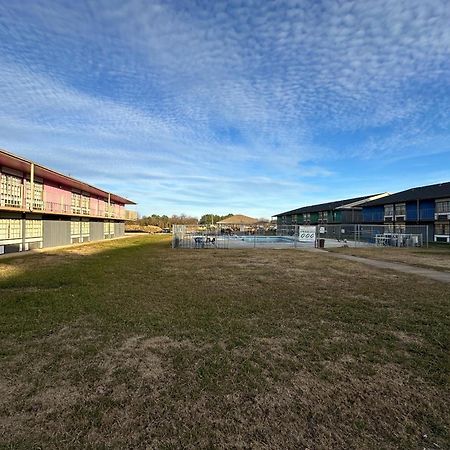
(425, 215)
(130, 215)
(42, 207)
(445, 215)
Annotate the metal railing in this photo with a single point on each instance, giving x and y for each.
(363, 235)
(62, 208)
(426, 214)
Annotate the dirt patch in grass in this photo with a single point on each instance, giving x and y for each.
(7, 271)
(33, 399)
(408, 338)
(135, 354)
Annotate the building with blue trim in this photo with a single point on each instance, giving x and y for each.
(337, 212)
(425, 205)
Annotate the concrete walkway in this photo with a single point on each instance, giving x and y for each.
(399, 267)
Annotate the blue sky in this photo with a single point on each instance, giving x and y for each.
(250, 107)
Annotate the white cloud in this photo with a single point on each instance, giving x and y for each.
(161, 94)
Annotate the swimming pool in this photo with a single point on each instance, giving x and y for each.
(198, 240)
(235, 241)
(260, 239)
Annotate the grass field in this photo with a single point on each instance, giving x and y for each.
(132, 344)
(436, 257)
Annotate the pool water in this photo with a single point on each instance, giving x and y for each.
(261, 239)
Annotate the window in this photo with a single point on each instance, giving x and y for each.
(76, 203)
(38, 201)
(10, 229)
(33, 228)
(400, 209)
(442, 228)
(75, 227)
(85, 228)
(11, 191)
(108, 228)
(85, 204)
(388, 210)
(442, 206)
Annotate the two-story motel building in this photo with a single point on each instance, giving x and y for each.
(40, 207)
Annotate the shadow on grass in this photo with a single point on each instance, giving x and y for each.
(39, 291)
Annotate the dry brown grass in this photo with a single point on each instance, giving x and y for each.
(435, 257)
(141, 346)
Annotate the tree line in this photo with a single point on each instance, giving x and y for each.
(164, 221)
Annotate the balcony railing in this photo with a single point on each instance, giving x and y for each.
(442, 215)
(58, 208)
(37, 204)
(61, 208)
(426, 214)
(130, 215)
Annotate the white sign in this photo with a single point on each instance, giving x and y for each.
(307, 233)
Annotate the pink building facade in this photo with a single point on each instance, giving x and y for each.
(40, 207)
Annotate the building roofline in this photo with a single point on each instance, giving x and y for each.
(427, 192)
(349, 203)
(46, 172)
(364, 201)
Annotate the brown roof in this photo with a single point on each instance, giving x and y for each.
(238, 219)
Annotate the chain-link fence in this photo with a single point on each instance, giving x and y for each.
(199, 237)
(361, 235)
(302, 236)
